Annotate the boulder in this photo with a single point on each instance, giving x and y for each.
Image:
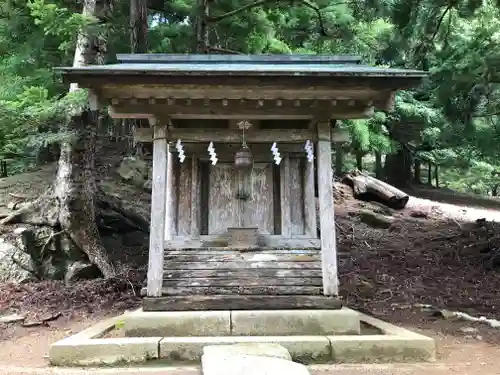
(29, 253)
(134, 170)
(15, 264)
(81, 271)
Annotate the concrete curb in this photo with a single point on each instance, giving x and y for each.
(88, 348)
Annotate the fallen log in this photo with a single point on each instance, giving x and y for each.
(368, 188)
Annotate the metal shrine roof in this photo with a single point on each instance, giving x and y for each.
(239, 65)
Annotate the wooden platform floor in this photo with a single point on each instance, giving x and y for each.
(222, 279)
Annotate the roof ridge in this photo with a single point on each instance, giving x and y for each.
(296, 59)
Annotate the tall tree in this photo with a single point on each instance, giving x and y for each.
(70, 203)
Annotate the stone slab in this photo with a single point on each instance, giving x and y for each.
(295, 322)
(249, 348)
(178, 323)
(374, 349)
(304, 349)
(396, 344)
(240, 364)
(86, 352)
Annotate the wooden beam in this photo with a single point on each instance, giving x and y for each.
(231, 148)
(311, 228)
(169, 201)
(235, 302)
(326, 211)
(158, 198)
(238, 109)
(234, 136)
(228, 92)
(286, 213)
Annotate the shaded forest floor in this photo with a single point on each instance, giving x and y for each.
(390, 274)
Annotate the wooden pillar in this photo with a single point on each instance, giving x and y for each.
(326, 211)
(195, 198)
(286, 214)
(169, 209)
(309, 201)
(158, 198)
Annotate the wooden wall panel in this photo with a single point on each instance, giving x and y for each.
(184, 198)
(259, 210)
(222, 205)
(296, 196)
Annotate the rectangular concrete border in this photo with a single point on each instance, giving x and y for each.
(396, 344)
(88, 348)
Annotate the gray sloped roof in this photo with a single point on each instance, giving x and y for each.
(239, 65)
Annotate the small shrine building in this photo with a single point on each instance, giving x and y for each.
(241, 154)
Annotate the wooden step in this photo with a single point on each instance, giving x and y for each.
(235, 302)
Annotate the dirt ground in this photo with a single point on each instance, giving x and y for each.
(388, 273)
(27, 348)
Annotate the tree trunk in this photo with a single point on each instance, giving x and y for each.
(359, 160)
(138, 44)
(70, 203)
(379, 172)
(368, 188)
(75, 189)
(339, 159)
(417, 171)
(202, 35)
(436, 174)
(398, 168)
(429, 174)
(138, 26)
(494, 190)
(75, 185)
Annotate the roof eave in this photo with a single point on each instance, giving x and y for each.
(89, 71)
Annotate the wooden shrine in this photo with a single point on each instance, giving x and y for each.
(241, 154)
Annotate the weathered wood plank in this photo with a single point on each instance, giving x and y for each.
(326, 211)
(158, 204)
(247, 257)
(231, 302)
(246, 273)
(233, 136)
(296, 197)
(258, 211)
(184, 199)
(270, 242)
(222, 206)
(195, 198)
(286, 215)
(218, 251)
(238, 281)
(242, 290)
(240, 265)
(271, 91)
(256, 148)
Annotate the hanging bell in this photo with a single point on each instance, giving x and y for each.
(243, 159)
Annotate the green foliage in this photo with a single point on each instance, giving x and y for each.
(453, 120)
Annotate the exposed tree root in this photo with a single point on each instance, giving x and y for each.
(42, 211)
(110, 214)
